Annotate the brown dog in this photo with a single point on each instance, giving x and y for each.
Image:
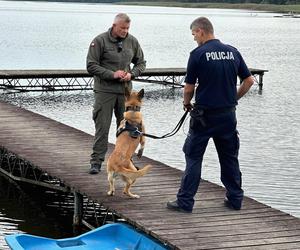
(128, 138)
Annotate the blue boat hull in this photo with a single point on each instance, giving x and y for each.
(108, 237)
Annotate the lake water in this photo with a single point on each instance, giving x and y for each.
(57, 35)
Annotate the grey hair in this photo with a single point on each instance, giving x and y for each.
(122, 17)
(204, 24)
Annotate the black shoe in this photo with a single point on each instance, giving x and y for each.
(228, 204)
(95, 168)
(173, 205)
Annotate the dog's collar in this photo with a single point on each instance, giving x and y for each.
(133, 108)
(134, 131)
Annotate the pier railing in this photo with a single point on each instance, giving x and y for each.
(58, 80)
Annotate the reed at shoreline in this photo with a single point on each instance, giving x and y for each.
(257, 7)
(277, 8)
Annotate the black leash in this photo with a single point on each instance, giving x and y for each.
(173, 132)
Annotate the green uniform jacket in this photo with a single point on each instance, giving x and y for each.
(104, 58)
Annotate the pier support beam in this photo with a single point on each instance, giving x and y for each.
(78, 209)
(260, 81)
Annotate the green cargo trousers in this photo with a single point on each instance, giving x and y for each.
(104, 106)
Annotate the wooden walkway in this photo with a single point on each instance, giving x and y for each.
(64, 152)
(58, 80)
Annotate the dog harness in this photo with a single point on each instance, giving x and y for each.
(134, 131)
(133, 108)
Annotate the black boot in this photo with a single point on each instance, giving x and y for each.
(95, 168)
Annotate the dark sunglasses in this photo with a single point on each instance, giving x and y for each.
(120, 46)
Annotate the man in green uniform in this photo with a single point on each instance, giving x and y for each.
(109, 60)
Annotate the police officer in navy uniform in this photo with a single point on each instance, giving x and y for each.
(212, 72)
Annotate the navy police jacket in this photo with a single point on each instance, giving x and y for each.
(215, 66)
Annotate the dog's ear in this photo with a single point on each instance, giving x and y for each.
(127, 92)
(141, 94)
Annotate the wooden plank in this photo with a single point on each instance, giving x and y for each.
(242, 243)
(63, 152)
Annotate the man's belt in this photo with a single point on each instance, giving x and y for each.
(216, 111)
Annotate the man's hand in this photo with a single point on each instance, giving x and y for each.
(187, 107)
(126, 78)
(188, 94)
(120, 74)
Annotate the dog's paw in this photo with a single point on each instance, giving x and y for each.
(140, 153)
(111, 193)
(134, 196)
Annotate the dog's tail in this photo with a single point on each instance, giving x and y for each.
(136, 174)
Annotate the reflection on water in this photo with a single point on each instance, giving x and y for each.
(26, 209)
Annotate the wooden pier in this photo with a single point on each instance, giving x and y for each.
(57, 80)
(63, 152)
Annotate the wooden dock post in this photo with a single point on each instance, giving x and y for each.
(260, 81)
(260, 73)
(78, 208)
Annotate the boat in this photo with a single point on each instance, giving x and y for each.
(117, 236)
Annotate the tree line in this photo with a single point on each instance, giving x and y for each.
(280, 2)
(277, 2)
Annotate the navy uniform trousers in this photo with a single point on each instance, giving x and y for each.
(222, 128)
